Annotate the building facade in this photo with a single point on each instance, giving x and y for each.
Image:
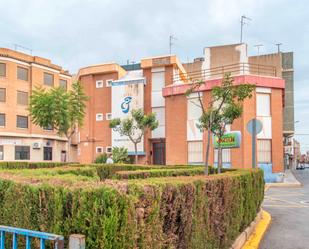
(20, 139)
(159, 84)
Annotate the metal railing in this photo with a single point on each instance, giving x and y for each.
(218, 72)
(58, 240)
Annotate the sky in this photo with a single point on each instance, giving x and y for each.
(75, 33)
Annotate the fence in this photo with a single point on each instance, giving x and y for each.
(233, 69)
(76, 241)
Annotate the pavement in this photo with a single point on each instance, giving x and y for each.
(289, 209)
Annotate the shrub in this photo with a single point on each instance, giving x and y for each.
(170, 212)
(101, 158)
(120, 155)
(30, 165)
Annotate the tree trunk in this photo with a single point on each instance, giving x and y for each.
(136, 156)
(219, 158)
(207, 152)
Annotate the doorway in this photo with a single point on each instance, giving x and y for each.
(158, 155)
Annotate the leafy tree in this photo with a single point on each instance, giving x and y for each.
(62, 110)
(120, 155)
(222, 110)
(135, 126)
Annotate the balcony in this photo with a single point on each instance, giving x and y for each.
(218, 72)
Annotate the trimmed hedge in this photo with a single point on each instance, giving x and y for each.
(30, 165)
(170, 212)
(164, 172)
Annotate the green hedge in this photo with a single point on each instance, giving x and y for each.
(162, 172)
(113, 171)
(30, 165)
(170, 212)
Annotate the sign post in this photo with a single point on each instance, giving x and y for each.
(254, 127)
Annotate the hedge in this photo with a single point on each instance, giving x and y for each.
(30, 165)
(164, 172)
(170, 212)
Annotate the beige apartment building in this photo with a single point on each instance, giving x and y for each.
(20, 139)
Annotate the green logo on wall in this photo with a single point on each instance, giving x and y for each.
(229, 140)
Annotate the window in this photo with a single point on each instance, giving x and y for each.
(2, 94)
(99, 117)
(99, 149)
(48, 153)
(22, 98)
(99, 83)
(63, 84)
(22, 73)
(108, 116)
(195, 152)
(2, 119)
(22, 121)
(263, 105)
(1, 152)
(226, 156)
(48, 79)
(2, 69)
(48, 128)
(264, 151)
(108, 150)
(22, 152)
(109, 83)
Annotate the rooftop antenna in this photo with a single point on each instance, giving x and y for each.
(171, 39)
(278, 46)
(16, 46)
(258, 47)
(242, 23)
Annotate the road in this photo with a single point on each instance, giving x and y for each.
(289, 208)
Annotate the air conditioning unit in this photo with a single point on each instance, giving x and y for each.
(36, 145)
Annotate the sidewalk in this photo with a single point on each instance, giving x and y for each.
(289, 180)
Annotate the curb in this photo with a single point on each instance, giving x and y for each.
(256, 237)
(284, 185)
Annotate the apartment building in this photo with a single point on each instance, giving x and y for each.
(158, 84)
(20, 139)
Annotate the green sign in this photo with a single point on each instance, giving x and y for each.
(228, 140)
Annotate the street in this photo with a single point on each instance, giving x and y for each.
(289, 208)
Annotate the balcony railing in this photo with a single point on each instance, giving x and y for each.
(218, 72)
(29, 234)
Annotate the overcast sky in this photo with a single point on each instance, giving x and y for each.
(75, 33)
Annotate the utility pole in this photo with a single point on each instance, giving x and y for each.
(171, 39)
(242, 23)
(278, 46)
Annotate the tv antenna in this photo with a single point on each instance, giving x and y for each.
(171, 39)
(242, 23)
(278, 46)
(17, 46)
(258, 47)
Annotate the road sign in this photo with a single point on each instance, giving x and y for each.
(254, 127)
(254, 123)
(229, 140)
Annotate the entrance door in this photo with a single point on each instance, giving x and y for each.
(158, 153)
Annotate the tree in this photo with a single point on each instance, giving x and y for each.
(135, 126)
(222, 110)
(63, 111)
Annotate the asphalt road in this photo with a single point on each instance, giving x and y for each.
(289, 208)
